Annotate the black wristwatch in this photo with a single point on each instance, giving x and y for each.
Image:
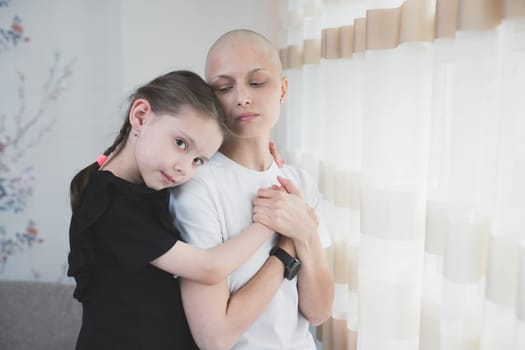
(291, 264)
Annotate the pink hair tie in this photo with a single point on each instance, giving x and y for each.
(101, 159)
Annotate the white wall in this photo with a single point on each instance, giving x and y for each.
(112, 46)
(176, 34)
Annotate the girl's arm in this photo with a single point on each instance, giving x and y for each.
(215, 264)
(210, 266)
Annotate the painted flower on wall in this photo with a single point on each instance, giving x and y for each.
(13, 243)
(13, 35)
(20, 134)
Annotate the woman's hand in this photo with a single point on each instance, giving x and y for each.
(284, 210)
(276, 156)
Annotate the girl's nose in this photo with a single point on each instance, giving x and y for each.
(179, 169)
(184, 166)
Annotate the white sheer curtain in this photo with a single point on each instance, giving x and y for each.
(411, 115)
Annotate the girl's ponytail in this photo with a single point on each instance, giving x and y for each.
(81, 179)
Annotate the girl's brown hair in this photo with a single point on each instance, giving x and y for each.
(166, 94)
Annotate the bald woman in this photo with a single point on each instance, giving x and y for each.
(271, 300)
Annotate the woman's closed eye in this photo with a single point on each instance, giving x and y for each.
(256, 83)
(223, 89)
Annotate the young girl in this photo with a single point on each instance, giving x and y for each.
(124, 249)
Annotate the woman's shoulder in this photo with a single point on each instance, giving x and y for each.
(303, 180)
(299, 175)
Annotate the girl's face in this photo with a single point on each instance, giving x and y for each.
(170, 149)
(248, 84)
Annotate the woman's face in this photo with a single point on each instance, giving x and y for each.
(248, 83)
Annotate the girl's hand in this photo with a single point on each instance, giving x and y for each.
(283, 209)
(275, 155)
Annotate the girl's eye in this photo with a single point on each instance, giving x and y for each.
(181, 144)
(198, 161)
(256, 83)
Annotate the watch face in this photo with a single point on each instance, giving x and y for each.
(293, 268)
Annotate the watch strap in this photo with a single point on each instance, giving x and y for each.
(282, 255)
(291, 264)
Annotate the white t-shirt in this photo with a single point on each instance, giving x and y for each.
(216, 205)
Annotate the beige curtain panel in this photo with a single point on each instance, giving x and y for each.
(413, 21)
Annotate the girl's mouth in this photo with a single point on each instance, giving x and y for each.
(168, 180)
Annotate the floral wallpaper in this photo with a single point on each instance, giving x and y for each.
(23, 128)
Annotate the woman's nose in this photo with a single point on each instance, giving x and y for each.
(243, 98)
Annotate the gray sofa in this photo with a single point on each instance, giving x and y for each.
(38, 316)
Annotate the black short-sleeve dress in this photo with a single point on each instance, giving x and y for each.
(118, 228)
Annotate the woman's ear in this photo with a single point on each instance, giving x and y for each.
(284, 88)
(138, 113)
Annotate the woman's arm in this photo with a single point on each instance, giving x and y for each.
(210, 266)
(216, 318)
(286, 212)
(315, 284)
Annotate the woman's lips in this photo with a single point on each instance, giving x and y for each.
(246, 116)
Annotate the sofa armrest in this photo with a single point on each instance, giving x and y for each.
(38, 315)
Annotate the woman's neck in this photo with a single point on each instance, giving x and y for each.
(250, 153)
